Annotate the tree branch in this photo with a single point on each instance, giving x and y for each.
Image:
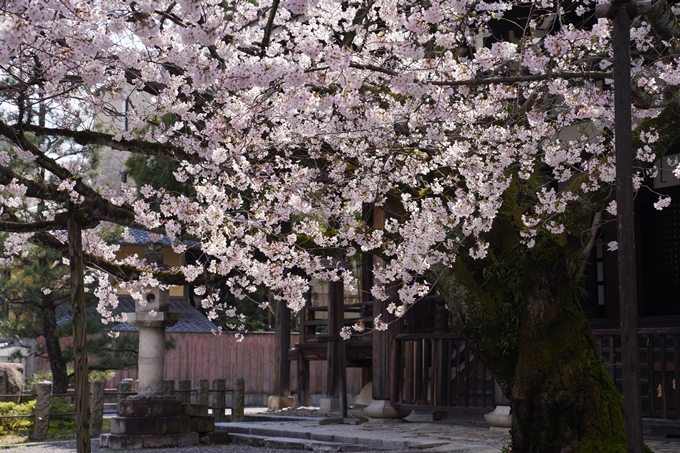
(103, 139)
(499, 79)
(663, 21)
(268, 28)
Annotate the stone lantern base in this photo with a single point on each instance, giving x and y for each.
(155, 421)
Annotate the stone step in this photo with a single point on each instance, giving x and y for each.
(287, 443)
(370, 440)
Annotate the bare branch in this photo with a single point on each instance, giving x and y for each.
(103, 139)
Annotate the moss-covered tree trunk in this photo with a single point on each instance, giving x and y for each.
(563, 400)
(547, 363)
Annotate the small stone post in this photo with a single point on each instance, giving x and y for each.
(185, 390)
(123, 389)
(42, 410)
(202, 389)
(96, 407)
(219, 390)
(168, 386)
(237, 399)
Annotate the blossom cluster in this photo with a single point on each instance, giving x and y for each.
(290, 120)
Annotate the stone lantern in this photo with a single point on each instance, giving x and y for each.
(150, 418)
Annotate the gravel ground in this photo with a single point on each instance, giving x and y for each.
(63, 447)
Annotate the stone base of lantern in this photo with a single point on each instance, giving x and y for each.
(156, 421)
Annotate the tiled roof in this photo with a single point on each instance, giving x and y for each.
(144, 237)
(190, 319)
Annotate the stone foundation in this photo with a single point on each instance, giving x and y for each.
(156, 421)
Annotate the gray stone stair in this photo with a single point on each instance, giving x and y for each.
(316, 438)
(289, 443)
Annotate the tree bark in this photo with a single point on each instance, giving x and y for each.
(56, 358)
(519, 309)
(562, 398)
(75, 248)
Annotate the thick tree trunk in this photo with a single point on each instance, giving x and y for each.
(57, 362)
(562, 398)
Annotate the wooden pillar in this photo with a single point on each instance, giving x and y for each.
(381, 339)
(304, 393)
(281, 397)
(630, 356)
(382, 347)
(336, 316)
(75, 252)
(367, 283)
(282, 335)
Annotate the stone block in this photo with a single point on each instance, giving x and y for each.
(122, 441)
(171, 440)
(203, 424)
(327, 405)
(202, 391)
(137, 442)
(219, 437)
(96, 407)
(151, 425)
(195, 410)
(185, 390)
(150, 406)
(41, 421)
(11, 381)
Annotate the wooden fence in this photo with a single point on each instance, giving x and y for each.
(439, 372)
(659, 368)
(208, 356)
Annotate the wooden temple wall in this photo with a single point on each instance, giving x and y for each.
(208, 356)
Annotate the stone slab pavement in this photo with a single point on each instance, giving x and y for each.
(465, 433)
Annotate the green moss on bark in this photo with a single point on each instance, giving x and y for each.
(562, 397)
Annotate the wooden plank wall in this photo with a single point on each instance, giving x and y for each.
(208, 356)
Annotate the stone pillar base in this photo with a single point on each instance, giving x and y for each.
(157, 421)
(327, 405)
(382, 409)
(137, 441)
(499, 418)
(280, 402)
(365, 397)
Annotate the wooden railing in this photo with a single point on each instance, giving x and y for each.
(315, 316)
(438, 372)
(659, 368)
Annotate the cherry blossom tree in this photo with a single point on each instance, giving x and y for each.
(482, 129)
